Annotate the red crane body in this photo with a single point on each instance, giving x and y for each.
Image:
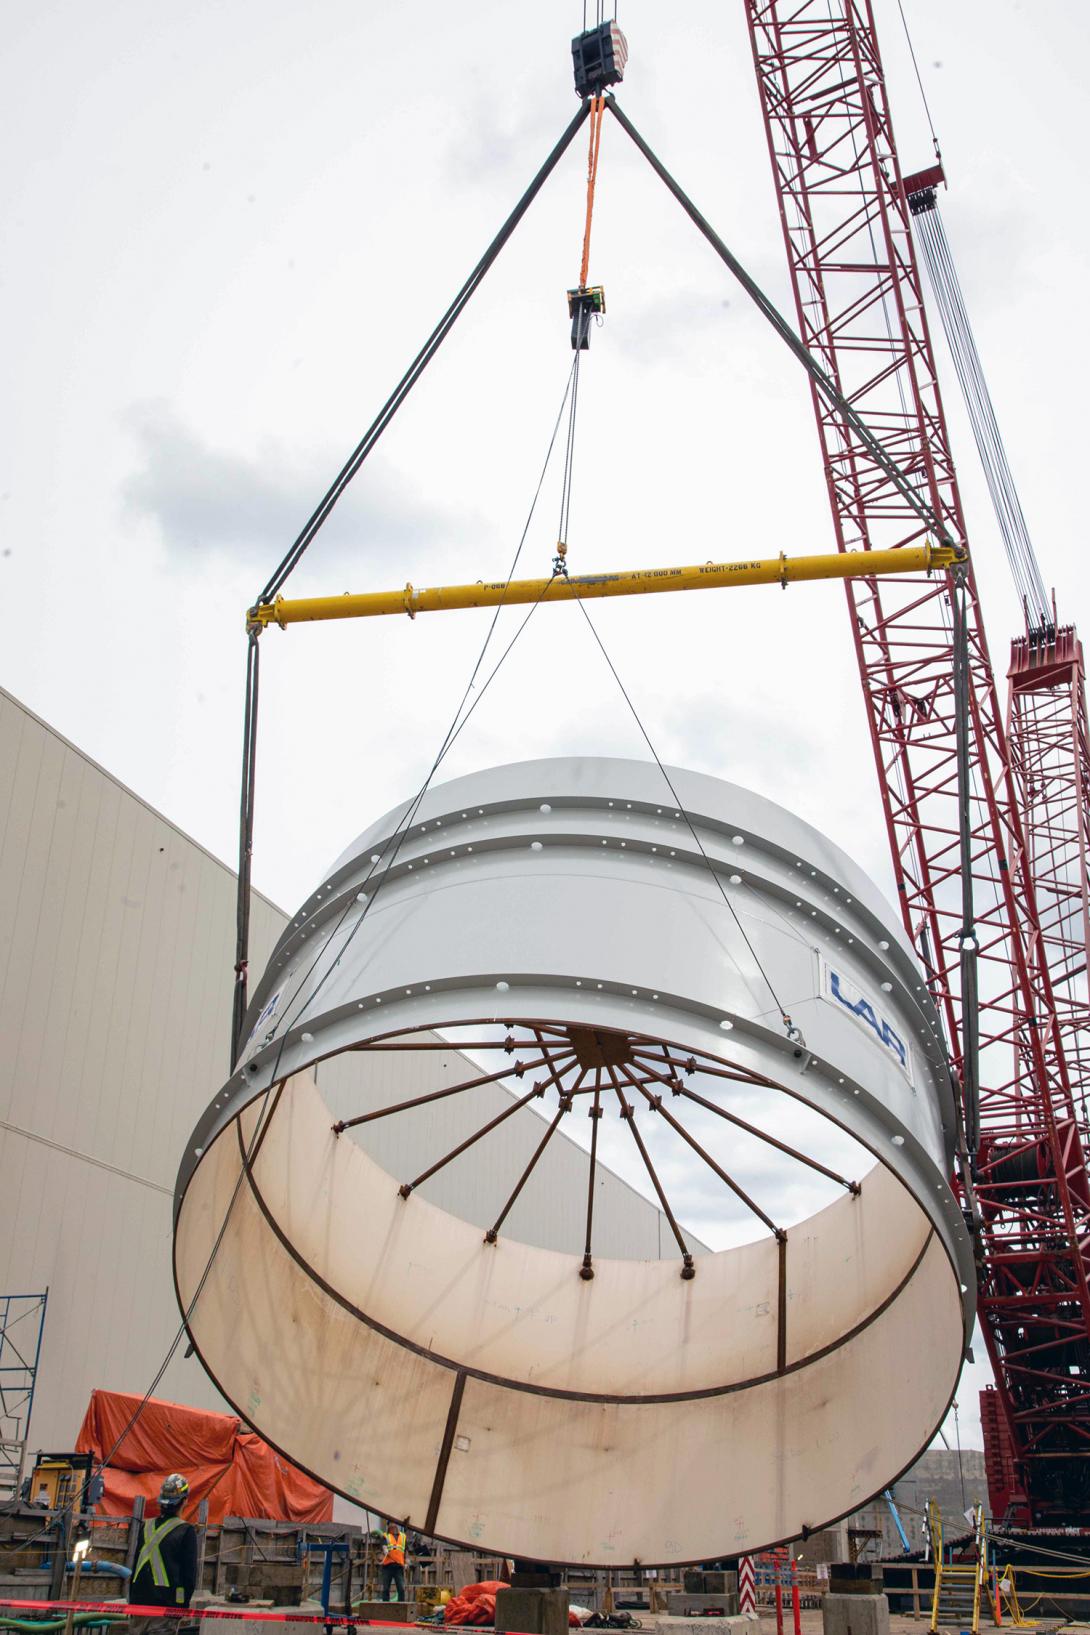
(858, 296)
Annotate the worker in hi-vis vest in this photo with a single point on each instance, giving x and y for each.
(393, 1562)
(165, 1574)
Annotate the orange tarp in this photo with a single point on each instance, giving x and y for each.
(233, 1469)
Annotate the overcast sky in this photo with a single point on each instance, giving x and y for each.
(229, 226)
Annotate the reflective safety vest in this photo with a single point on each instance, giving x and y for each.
(151, 1556)
(395, 1549)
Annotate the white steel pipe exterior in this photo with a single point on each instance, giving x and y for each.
(485, 1392)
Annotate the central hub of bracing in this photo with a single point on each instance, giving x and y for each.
(601, 1048)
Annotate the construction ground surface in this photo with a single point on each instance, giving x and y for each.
(899, 1623)
(811, 1624)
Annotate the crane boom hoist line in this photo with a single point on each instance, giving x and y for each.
(1047, 725)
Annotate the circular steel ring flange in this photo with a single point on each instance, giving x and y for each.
(485, 1390)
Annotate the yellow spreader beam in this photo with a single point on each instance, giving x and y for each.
(772, 570)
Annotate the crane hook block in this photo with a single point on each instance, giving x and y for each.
(583, 305)
(598, 57)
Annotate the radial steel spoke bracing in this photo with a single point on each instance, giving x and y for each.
(581, 1061)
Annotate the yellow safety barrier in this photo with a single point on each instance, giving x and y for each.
(1008, 1591)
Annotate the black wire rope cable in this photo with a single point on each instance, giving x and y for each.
(419, 364)
(266, 1112)
(792, 1031)
(990, 446)
(569, 465)
(967, 364)
(451, 736)
(264, 1118)
(569, 455)
(565, 517)
(993, 456)
(919, 78)
(995, 1529)
(822, 381)
(318, 517)
(245, 841)
(458, 721)
(396, 840)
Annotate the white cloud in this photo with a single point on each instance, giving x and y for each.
(205, 499)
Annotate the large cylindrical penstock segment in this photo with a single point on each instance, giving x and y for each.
(547, 941)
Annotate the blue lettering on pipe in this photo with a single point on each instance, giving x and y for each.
(862, 1008)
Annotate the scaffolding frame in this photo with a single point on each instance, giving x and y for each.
(20, 1355)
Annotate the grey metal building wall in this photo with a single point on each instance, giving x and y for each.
(116, 940)
(955, 1478)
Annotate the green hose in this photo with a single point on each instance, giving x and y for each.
(41, 1626)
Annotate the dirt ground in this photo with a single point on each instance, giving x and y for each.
(899, 1624)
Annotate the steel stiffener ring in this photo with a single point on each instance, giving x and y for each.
(563, 1407)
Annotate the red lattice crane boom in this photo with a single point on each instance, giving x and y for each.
(858, 296)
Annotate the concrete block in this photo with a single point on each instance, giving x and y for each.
(255, 1626)
(828, 1545)
(854, 1614)
(681, 1604)
(667, 1624)
(390, 1612)
(535, 1612)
